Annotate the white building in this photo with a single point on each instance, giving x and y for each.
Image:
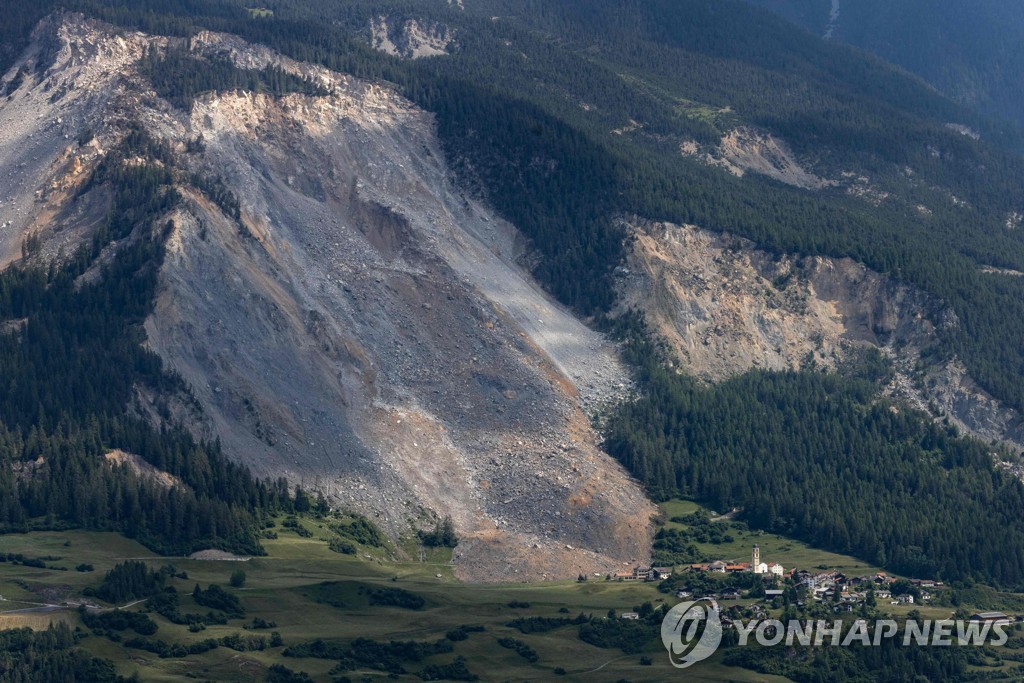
(759, 567)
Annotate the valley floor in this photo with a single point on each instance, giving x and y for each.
(306, 592)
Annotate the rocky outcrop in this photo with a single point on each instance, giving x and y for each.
(726, 307)
(745, 150)
(142, 469)
(411, 38)
(363, 328)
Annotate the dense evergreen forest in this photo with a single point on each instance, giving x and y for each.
(524, 105)
(968, 49)
(27, 655)
(818, 456)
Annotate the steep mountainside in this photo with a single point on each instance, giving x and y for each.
(726, 307)
(366, 236)
(359, 325)
(972, 50)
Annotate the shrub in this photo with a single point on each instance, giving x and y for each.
(237, 579)
(217, 598)
(521, 648)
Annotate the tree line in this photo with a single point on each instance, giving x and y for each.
(825, 459)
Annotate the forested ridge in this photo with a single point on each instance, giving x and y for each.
(179, 77)
(970, 50)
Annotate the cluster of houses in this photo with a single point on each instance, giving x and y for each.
(644, 573)
(854, 590)
(845, 591)
(773, 569)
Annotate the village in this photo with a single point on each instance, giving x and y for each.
(842, 592)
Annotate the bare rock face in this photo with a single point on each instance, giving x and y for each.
(411, 38)
(66, 87)
(745, 150)
(364, 328)
(726, 307)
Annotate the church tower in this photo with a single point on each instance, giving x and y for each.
(756, 560)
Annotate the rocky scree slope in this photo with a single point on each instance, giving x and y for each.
(363, 328)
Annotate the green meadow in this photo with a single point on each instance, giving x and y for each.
(309, 592)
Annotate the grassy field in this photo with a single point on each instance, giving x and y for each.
(285, 587)
(774, 548)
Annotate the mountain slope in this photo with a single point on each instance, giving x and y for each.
(358, 325)
(725, 308)
(971, 51)
(349, 306)
(565, 115)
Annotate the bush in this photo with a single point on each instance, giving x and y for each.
(456, 671)
(240, 643)
(395, 597)
(462, 632)
(361, 530)
(521, 648)
(294, 524)
(545, 624)
(165, 650)
(237, 579)
(363, 652)
(118, 620)
(629, 636)
(342, 546)
(217, 598)
(282, 674)
(259, 623)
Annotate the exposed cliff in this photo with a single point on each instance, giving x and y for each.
(744, 150)
(725, 307)
(410, 38)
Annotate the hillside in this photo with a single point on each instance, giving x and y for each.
(361, 329)
(420, 310)
(971, 51)
(399, 254)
